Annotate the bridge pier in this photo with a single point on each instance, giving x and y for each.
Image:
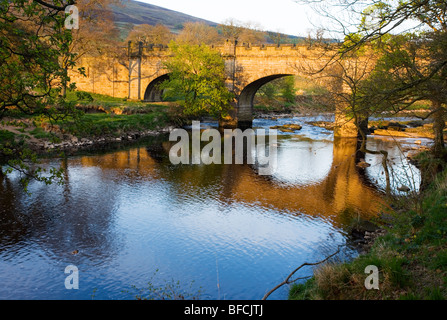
(344, 127)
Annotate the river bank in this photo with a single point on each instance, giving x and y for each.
(112, 122)
(409, 248)
(93, 130)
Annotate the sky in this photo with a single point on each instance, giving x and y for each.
(284, 16)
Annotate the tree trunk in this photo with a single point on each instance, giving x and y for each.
(64, 84)
(438, 128)
(362, 125)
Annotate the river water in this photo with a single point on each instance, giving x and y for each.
(129, 220)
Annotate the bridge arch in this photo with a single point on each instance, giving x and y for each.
(153, 92)
(246, 98)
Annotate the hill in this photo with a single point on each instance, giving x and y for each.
(135, 12)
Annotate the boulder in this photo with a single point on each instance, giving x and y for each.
(288, 127)
(363, 164)
(403, 188)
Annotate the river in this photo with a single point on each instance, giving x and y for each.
(129, 220)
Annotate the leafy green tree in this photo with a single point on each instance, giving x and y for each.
(288, 91)
(197, 73)
(279, 90)
(32, 41)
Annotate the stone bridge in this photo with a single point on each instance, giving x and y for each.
(247, 68)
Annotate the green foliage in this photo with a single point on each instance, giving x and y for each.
(351, 40)
(6, 137)
(33, 39)
(197, 74)
(269, 90)
(440, 260)
(101, 124)
(103, 103)
(288, 91)
(302, 291)
(281, 91)
(282, 88)
(17, 157)
(40, 133)
(375, 16)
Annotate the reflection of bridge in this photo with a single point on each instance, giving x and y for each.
(337, 196)
(248, 68)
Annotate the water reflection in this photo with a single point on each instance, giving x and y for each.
(129, 212)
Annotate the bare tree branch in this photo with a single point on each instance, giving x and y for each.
(54, 7)
(288, 281)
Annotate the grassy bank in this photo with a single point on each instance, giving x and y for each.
(100, 116)
(411, 257)
(99, 124)
(93, 102)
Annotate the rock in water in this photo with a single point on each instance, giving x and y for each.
(288, 127)
(363, 164)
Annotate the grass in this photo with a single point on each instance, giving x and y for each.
(106, 115)
(40, 133)
(100, 124)
(411, 258)
(103, 116)
(420, 105)
(107, 104)
(6, 136)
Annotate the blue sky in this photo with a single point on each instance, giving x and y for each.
(274, 15)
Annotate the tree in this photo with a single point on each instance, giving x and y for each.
(32, 41)
(243, 33)
(197, 73)
(402, 76)
(414, 64)
(231, 30)
(158, 34)
(281, 91)
(407, 71)
(196, 33)
(95, 36)
(277, 37)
